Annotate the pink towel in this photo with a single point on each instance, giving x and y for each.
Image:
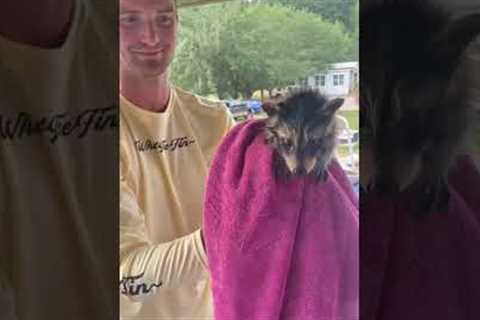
(278, 250)
(423, 268)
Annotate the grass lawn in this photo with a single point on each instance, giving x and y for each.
(352, 118)
(353, 121)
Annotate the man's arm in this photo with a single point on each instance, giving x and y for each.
(42, 23)
(146, 267)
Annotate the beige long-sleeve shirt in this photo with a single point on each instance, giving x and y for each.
(164, 162)
(58, 148)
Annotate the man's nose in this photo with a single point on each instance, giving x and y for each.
(151, 34)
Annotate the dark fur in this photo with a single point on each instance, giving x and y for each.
(302, 129)
(415, 115)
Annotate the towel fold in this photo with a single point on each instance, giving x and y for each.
(278, 250)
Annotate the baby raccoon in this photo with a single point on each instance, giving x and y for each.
(301, 128)
(416, 110)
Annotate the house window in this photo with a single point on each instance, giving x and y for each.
(338, 80)
(320, 80)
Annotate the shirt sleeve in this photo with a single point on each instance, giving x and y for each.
(145, 267)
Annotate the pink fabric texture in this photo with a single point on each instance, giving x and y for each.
(278, 250)
(419, 268)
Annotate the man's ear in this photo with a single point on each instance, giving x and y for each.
(448, 46)
(270, 108)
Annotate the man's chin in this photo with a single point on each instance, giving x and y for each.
(153, 73)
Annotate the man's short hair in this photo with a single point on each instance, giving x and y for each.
(175, 7)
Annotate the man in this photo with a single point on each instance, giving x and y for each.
(168, 138)
(57, 150)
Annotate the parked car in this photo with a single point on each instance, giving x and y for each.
(255, 106)
(239, 110)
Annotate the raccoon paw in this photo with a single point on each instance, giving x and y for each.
(281, 171)
(320, 175)
(434, 198)
(384, 185)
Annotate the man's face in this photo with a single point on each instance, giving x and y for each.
(147, 36)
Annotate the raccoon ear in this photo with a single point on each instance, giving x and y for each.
(270, 108)
(334, 105)
(451, 42)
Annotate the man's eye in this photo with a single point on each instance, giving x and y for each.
(129, 19)
(165, 20)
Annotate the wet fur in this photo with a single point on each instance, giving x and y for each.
(301, 128)
(415, 111)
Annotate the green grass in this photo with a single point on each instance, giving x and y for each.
(352, 118)
(343, 150)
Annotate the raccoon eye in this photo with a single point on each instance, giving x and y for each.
(287, 145)
(317, 142)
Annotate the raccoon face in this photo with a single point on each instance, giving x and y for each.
(413, 111)
(302, 130)
(415, 131)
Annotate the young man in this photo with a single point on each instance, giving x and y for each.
(168, 138)
(58, 89)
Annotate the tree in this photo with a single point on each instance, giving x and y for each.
(331, 10)
(356, 31)
(199, 29)
(234, 49)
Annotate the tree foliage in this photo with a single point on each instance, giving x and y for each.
(233, 49)
(331, 10)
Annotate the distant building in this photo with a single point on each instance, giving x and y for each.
(338, 80)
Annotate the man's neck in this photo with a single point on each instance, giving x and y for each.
(152, 95)
(42, 23)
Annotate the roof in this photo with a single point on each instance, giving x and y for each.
(344, 65)
(189, 3)
(349, 65)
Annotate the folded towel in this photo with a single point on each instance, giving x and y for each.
(278, 250)
(419, 268)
